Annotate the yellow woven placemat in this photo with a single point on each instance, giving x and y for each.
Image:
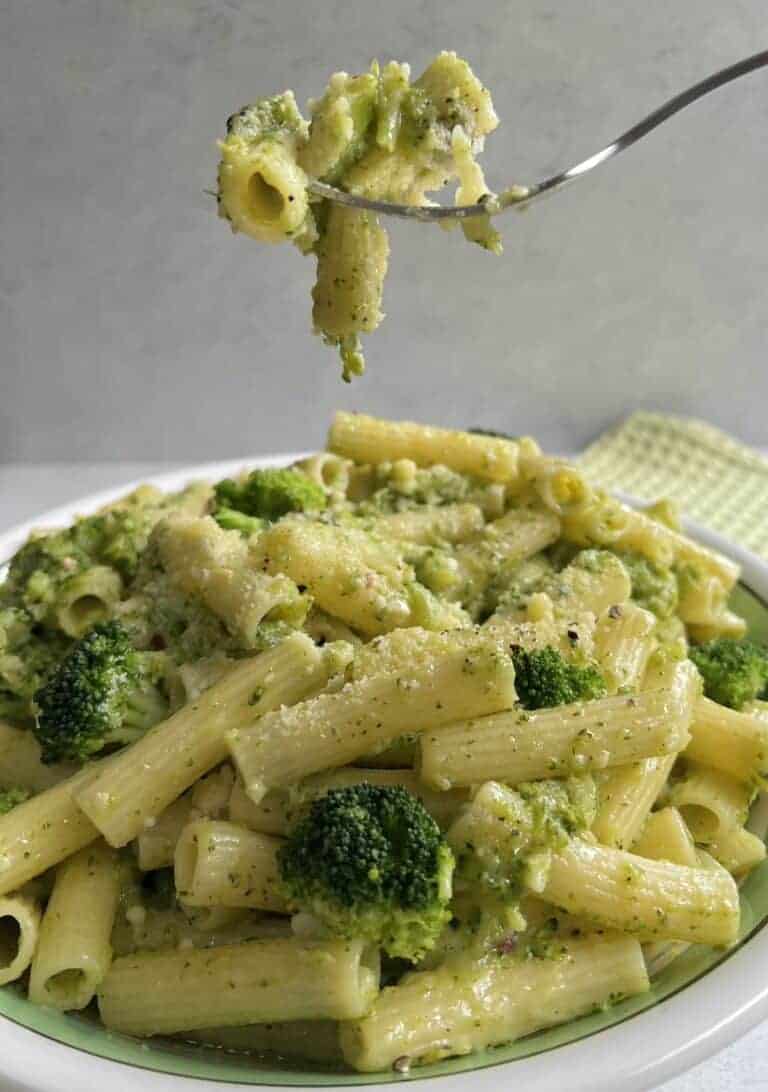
(715, 479)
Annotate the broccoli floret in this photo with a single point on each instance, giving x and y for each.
(268, 495)
(104, 694)
(653, 587)
(232, 520)
(9, 798)
(734, 672)
(369, 861)
(544, 678)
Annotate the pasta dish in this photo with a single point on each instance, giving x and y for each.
(403, 752)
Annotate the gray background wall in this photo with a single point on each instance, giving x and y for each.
(132, 325)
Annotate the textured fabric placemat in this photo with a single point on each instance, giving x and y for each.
(715, 479)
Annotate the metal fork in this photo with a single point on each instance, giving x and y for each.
(523, 195)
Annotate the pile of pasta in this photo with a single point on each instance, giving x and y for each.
(373, 686)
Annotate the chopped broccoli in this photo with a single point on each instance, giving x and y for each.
(369, 861)
(734, 672)
(400, 486)
(268, 495)
(103, 694)
(115, 537)
(544, 678)
(9, 798)
(28, 654)
(504, 838)
(514, 582)
(232, 520)
(653, 587)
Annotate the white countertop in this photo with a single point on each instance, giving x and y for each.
(32, 488)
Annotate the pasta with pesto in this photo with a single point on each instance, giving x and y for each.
(427, 695)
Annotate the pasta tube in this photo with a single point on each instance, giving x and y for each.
(623, 644)
(74, 951)
(451, 523)
(372, 440)
(737, 849)
(334, 729)
(19, 930)
(220, 864)
(465, 1006)
(87, 598)
(355, 577)
(156, 993)
(143, 780)
(665, 837)
(710, 801)
(42, 831)
(352, 259)
(525, 746)
(205, 561)
(652, 899)
(731, 741)
(626, 795)
(262, 189)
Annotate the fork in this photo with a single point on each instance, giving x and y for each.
(521, 196)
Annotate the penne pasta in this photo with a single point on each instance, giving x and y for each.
(74, 951)
(334, 729)
(157, 993)
(459, 1008)
(19, 932)
(371, 440)
(217, 863)
(143, 780)
(654, 899)
(731, 741)
(519, 746)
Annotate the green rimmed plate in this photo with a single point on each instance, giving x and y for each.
(700, 1002)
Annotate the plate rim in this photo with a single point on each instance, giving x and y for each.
(729, 1000)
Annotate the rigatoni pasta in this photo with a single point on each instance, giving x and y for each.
(74, 952)
(458, 1009)
(257, 981)
(432, 695)
(333, 730)
(521, 746)
(19, 935)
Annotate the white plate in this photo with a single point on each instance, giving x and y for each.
(638, 1054)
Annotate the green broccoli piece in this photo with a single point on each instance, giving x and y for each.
(369, 861)
(268, 495)
(544, 678)
(734, 672)
(104, 694)
(504, 838)
(653, 587)
(9, 798)
(232, 520)
(28, 654)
